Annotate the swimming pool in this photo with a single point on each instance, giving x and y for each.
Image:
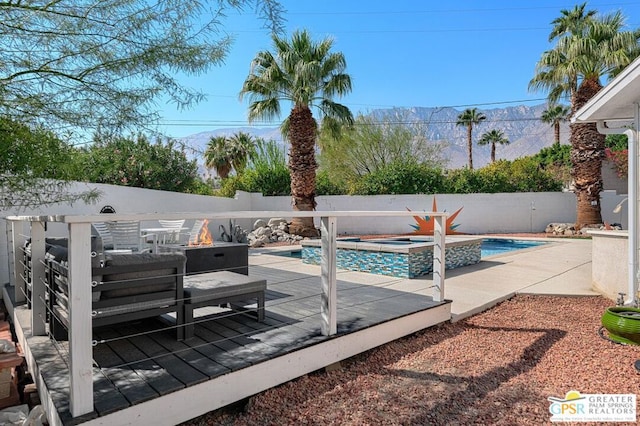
(407, 257)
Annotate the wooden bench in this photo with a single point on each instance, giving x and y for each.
(218, 288)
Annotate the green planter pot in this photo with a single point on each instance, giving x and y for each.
(623, 324)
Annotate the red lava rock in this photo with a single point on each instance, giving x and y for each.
(497, 367)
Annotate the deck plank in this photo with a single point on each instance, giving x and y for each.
(209, 332)
(285, 337)
(55, 373)
(132, 385)
(106, 397)
(155, 376)
(198, 360)
(179, 369)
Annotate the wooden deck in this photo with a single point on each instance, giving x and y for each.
(136, 364)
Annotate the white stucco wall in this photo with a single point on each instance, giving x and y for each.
(481, 213)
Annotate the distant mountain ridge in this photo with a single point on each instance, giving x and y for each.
(521, 125)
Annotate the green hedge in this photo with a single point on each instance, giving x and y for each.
(521, 175)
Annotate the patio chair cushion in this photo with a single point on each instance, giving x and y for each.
(138, 282)
(220, 285)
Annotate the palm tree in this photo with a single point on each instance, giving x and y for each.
(306, 74)
(229, 153)
(591, 48)
(554, 115)
(217, 156)
(493, 137)
(242, 148)
(571, 21)
(468, 118)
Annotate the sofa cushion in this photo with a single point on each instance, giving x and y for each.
(57, 241)
(165, 276)
(57, 249)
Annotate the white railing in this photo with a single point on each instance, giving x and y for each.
(79, 264)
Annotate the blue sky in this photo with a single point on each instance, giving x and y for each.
(402, 53)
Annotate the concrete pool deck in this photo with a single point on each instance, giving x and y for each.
(560, 268)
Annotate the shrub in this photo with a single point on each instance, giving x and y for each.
(401, 178)
(554, 155)
(267, 181)
(620, 161)
(462, 181)
(521, 175)
(327, 185)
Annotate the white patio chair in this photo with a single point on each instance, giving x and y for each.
(173, 229)
(195, 231)
(126, 235)
(103, 231)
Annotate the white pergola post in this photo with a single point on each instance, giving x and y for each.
(80, 320)
(38, 305)
(329, 296)
(20, 285)
(439, 241)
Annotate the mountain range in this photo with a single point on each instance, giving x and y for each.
(521, 124)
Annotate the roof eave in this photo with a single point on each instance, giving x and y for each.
(615, 101)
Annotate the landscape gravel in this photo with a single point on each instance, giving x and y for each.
(495, 368)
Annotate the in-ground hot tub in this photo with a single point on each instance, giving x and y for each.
(404, 257)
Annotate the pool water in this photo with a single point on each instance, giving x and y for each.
(489, 247)
(295, 254)
(493, 246)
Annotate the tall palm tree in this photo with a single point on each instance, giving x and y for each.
(306, 74)
(554, 115)
(493, 137)
(571, 21)
(592, 48)
(468, 118)
(217, 156)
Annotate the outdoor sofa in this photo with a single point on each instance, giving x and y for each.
(124, 287)
(132, 286)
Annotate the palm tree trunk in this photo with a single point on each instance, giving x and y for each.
(223, 170)
(470, 146)
(302, 166)
(556, 130)
(587, 152)
(493, 152)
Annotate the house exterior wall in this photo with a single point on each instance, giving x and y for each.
(609, 268)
